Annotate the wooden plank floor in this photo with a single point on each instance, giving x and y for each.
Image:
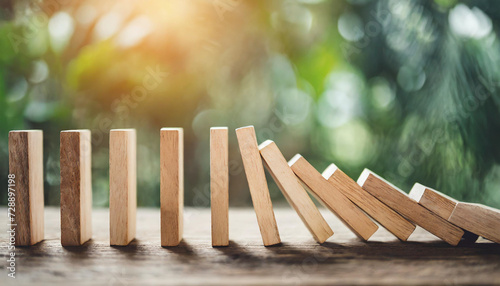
(343, 259)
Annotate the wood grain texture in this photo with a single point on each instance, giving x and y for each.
(409, 208)
(388, 218)
(122, 185)
(341, 260)
(257, 184)
(219, 185)
(26, 163)
(328, 194)
(76, 187)
(478, 219)
(294, 193)
(171, 185)
(437, 202)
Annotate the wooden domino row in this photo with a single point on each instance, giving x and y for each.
(359, 205)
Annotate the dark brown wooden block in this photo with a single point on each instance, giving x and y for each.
(76, 187)
(26, 163)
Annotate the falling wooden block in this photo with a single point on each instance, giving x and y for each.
(332, 198)
(76, 187)
(293, 191)
(26, 164)
(171, 185)
(388, 218)
(219, 185)
(257, 184)
(409, 208)
(440, 204)
(478, 219)
(437, 202)
(122, 185)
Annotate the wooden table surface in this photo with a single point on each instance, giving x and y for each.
(343, 259)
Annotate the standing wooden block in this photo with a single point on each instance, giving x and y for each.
(26, 164)
(332, 198)
(257, 184)
(122, 185)
(171, 185)
(76, 187)
(478, 219)
(219, 185)
(294, 192)
(438, 203)
(409, 208)
(388, 218)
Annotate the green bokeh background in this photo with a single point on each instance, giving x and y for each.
(408, 89)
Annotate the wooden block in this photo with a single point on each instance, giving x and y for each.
(409, 208)
(219, 185)
(388, 218)
(76, 187)
(257, 184)
(332, 198)
(122, 185)
(478, 219)
(26, 164)
(438, 203)
(171, 185)
(293, 191)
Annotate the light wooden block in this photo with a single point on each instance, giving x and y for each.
(257, 184)
(388, 218)
(219, 185)
(295, 194)
(122, 185)
(438, 203)
(327, 193)
(478, 219)
(409, 208)
(76, 187)
(171, 185)
(26, 163)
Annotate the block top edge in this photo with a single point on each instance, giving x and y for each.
(26, 131)
(246, 127)
(171, 129)
(265, 144)
(294, 159)
(364, 175)
(122, 130)
(329, 171)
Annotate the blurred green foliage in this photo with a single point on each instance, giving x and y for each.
(406, 88)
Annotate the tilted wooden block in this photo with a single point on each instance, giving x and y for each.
(122, 186)
(388, 218)
(76, 187)
(409, 208)
(438, 203)
(257, 184)
(478, 219)
(330, 197)
(26, 164)
(295, 194)
(171, 185)
(219, 185)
